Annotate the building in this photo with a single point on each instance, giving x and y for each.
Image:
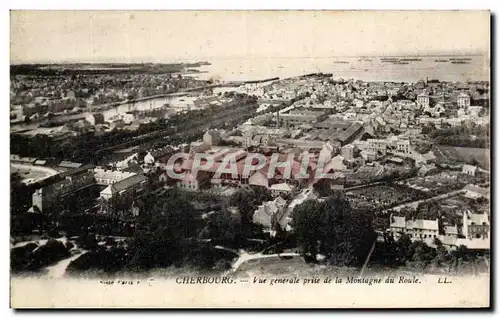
(463, 100)
(377, 146)
(68, 165)
(300, 117)
(128, 188)
(284, 188)
(212, 138)
(327, 152)
(106, 177)
(423, 100)
(419, 229)
(474, 192)
(268, 213)
(350, 133)
(368, 155)
(470, 170)
(95, 118)
(403, 146)
(476, 226)
(474, 111)
(71, 183)
(348, 152)
(192, 182)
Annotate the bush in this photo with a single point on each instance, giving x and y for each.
(87, 242)
(47, 254)
(107, 261)
(20, 256)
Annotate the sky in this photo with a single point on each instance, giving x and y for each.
(162, 36)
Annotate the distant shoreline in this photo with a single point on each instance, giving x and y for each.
(207, 59)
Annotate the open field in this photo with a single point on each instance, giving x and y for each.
(30, 174)
(383, 196)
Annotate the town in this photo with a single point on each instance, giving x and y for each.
(126, 170)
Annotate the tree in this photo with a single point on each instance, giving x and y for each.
(224, 229)
(422, 254)
(247, 199)
(334, 229)
(161, 232)
(308, 224)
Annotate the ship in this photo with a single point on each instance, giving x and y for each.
(411, 60)
(389, 59)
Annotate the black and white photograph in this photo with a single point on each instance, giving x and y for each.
(250, 159)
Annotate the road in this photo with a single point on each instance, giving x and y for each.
(59, 269)
(245, 257)
(301, 197)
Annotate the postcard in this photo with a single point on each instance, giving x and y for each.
(250, 159)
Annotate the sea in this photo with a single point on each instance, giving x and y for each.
(452, 68)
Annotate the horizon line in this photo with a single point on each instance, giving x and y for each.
(208, 58)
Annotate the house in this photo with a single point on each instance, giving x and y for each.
(95, 119)
(336, 164)
(463, 100)
(469, 169)
(268, 213)
(426, 169)
(475, 110)
(259, 178)
(149, 160)
(476, 226)
(106, 177)
(368, 155)
(403, 146)
(451, 231)
(419, 229)
(348, 151)
(423, 100)
(194, 182)
(474, 192)
(282, 188)
(397, 225)
(128, 188)
(212, 138)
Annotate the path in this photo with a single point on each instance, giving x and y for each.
(301, 197)
(59, 269)
(245, 257)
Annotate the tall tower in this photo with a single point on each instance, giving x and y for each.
(278, 119)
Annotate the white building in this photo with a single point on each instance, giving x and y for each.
(470, 170)
(212, 138)
(463, 100)
(403, 146)
(474, 192)
(419, 229)
(423, 100)
(348, 151)
(107, 177)
(269, 212)
(476, 226)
